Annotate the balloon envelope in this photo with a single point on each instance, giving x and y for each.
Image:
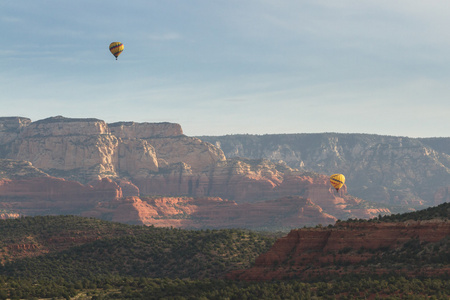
(337, 181)
(116, 48)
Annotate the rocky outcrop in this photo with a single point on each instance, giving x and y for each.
(304, 252)
(132, 130)
(191, 151)
(156, 159)
(89, 149)
(386, 169)
(201, 213)
(61, 126)
(14, 169)
(121, 201)
(4, 215)
(244, 180)
(10, 128)
(240, 181)
(136, 158)
(90, 156)
(169, 143)
(81, 149)
(160, 211)
(390, 170)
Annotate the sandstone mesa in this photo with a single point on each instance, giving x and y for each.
(133, 172)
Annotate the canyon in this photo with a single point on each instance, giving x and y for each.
(153, 174)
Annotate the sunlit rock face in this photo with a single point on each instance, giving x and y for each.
(133, 130)
(169, 143)
(10, 128)
(83, 148)
(158, 160)
(87, 149)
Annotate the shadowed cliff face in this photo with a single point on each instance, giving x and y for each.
(120, 201)
(304, 253)
(50, 195)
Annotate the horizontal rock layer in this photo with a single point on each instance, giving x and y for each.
(304, 251)
(120, 201)
(89, 149)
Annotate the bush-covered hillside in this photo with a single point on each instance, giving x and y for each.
(62, 257)
(80, 247)
(441, 211)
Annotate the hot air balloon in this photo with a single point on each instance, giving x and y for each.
(337, 181)
(116, 48)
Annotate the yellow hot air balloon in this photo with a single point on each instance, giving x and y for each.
(116, 48)
(337, 181)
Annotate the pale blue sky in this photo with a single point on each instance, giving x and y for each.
(232, 66)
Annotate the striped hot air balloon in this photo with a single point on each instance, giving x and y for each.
(337, 181)
(116, 48)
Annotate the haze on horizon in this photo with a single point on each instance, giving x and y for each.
(232, 67)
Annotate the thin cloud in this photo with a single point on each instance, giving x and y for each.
(169, 36)
(231, 66)
(6, 19)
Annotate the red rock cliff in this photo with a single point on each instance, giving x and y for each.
(305, 250)
(210, 212)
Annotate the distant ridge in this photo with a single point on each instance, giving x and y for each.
(380, 168)
(59, 119)
(441, 211)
